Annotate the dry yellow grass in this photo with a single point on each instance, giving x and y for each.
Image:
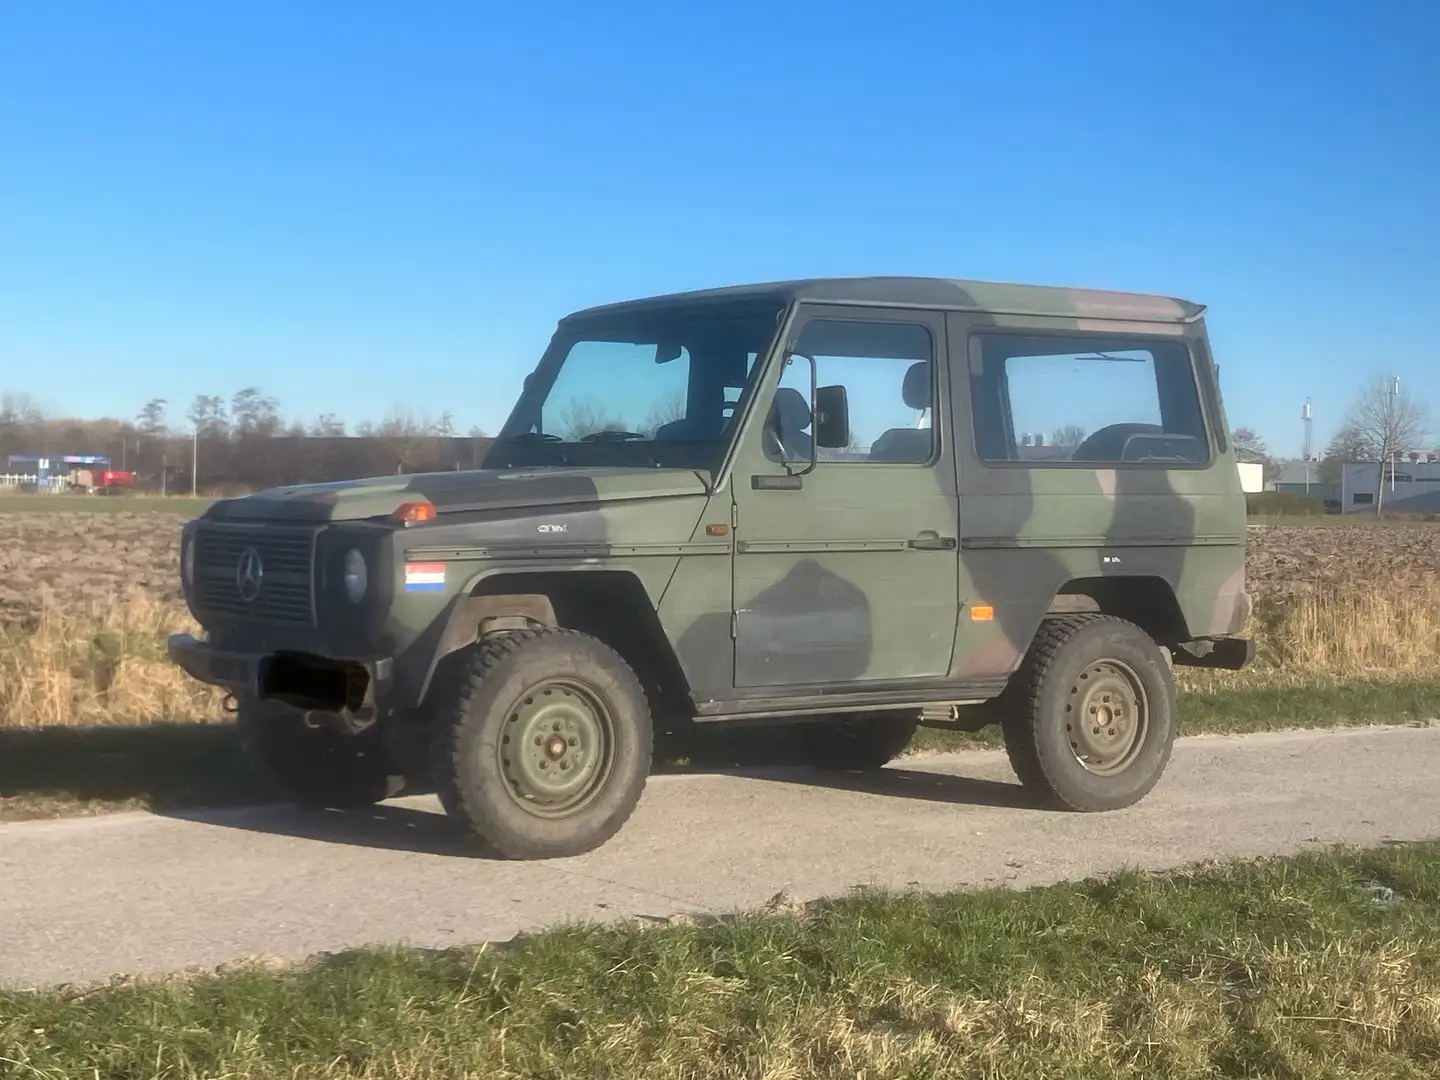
(103, 661)
(99, 663)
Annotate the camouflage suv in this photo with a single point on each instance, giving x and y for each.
(852, 506)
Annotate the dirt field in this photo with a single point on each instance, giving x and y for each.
(81, 559)
(86, 560)
(1285, 560)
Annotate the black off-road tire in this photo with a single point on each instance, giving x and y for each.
(1076, 664)
(314, 767)
(857, 742)
(487, 774)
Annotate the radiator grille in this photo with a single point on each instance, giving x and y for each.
(281, 591)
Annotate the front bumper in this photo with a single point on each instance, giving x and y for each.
(274, 674)
(230, 670)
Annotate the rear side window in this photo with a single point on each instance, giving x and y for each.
(1044, 400)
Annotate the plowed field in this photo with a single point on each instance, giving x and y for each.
(81, 558)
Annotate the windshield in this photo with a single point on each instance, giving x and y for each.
(644, 386)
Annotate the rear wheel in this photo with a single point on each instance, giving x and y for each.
(545, 743)
(315, 767)
(1089, 719)
(857, 742)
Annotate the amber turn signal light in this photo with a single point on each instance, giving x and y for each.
(412, 513)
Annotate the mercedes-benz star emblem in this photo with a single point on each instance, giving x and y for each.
(249, 573)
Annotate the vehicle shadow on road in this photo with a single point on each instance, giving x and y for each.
(901, 783)
(390, 826)
(417, 825)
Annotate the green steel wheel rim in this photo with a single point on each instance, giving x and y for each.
(1107, 716)
(557, 748)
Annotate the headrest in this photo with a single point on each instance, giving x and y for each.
(790, 412)
(916, 388)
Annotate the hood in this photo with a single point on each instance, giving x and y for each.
(451, 492)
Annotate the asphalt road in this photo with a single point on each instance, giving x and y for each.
(82, 899)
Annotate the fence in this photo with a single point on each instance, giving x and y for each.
(52, 485)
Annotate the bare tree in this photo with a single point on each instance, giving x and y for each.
(1386, 421)
(585, 416)
(1249, 446)
(1347, 444)
(207, 415)
(252, 414)
(151, 418)
(327, 426)
(666, 410)
(407, 440)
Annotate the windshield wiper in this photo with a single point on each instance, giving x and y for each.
(612, 436)
(533, 436)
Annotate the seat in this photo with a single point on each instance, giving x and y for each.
(784, 437)
(908, 444)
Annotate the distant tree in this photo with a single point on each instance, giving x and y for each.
(327, 425)
(1346, 445)
(1386, 421)
(406, 439)
(1249, 446)
(253, 415)
(207, 416)
(20, 422)
(150, 421)
(585, 416)
(1070, 435)
(666, 410)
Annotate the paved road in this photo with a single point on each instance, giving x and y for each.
(82, 899)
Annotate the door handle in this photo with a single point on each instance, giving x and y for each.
(931, 541)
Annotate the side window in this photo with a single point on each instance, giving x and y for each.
(887, 369)
(1050, 400)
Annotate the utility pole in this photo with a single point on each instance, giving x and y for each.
(1387, 435)
(1307, 416)
(195, 460)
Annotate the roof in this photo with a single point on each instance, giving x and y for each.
(934, 292)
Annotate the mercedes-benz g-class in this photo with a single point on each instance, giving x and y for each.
(851, 505)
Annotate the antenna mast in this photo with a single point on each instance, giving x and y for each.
(1307, 415)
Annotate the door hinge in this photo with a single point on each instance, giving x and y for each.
(734, 514)
(734, 625)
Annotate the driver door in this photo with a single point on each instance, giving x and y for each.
(846, 564)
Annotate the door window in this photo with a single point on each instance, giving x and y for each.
(887, 369)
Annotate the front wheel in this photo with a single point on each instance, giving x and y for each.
(544, 745)
(1089, 719)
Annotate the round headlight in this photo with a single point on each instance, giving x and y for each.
(356, 577)
(187, 562)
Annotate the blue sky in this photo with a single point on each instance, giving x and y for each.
(358, 205)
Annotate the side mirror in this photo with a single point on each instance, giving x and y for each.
(832, 417)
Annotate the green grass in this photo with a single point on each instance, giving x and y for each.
(1323, 965)
(46, 772)
(102, 504)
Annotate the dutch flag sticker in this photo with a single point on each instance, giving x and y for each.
(425, 577)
